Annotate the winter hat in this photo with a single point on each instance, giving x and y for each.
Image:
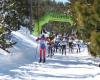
(42, 36)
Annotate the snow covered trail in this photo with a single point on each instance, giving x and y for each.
(70, 67)
(23, 63)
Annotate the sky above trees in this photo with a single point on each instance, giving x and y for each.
(62, 1)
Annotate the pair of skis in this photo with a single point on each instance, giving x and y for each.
(42, 60)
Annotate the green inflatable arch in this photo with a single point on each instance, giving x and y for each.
(50, 16)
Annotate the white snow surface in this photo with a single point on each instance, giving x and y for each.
(22, 63)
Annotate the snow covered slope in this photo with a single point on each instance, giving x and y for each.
(23, 52)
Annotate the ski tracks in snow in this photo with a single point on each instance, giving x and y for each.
(60, 67)
(73, 66)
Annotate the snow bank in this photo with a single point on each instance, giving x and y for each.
(3, 52)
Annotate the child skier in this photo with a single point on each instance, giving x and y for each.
(42, 40)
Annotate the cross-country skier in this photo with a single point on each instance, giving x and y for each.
(70, 44)
(42, 40)
(50, 46)
(63, 45)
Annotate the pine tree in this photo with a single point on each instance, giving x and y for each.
(87, 17)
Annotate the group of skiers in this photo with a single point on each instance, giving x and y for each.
(54, 42)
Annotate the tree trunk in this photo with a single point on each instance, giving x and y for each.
(31, 15)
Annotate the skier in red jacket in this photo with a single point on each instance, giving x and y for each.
(42, 40)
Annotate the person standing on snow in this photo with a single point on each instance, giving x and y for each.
(50, 46)
(42, 40)
(70, 44)
(63, 44)
(78, 47)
